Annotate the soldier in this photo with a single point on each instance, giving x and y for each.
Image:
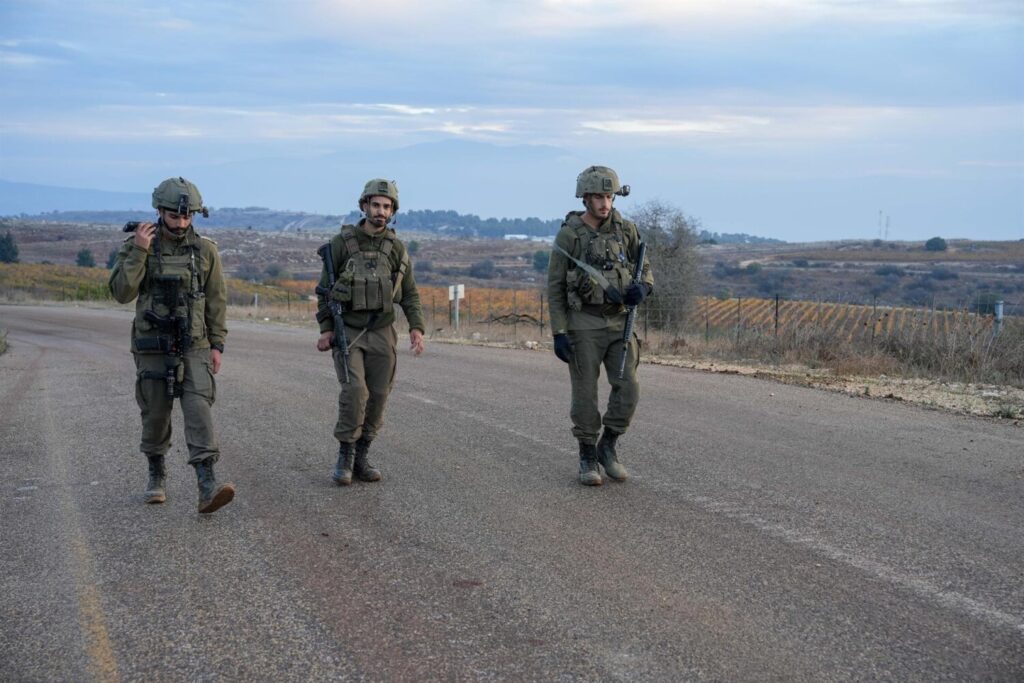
(178, 334)
(589, 288)
(373, 273)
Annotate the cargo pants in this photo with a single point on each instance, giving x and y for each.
(371, 366)
(590, 350)
(199, 393)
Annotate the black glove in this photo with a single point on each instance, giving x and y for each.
(563, 349)
(613, 295)
(636, 293)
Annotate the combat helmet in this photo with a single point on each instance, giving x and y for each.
(599, 180)
(379, 187)
(179, 195)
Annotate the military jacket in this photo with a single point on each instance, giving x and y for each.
(195, 261)
(370, 282)
(575, 300)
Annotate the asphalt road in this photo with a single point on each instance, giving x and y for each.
(769, 532)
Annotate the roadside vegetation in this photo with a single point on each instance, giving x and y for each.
(867, 308)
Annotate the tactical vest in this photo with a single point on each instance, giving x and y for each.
(605, 252)
(155, 291)
(365, 281)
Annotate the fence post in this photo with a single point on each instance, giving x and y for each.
(739, 300)
(776, 314)
(542, 313)
(874, 316)
(515, 317)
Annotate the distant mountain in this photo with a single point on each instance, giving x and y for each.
(28, 198)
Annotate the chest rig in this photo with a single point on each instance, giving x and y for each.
(170, 311)
(605, 251)
(367, 281)
(171, 292)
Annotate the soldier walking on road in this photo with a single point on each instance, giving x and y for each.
(178, 334)
(589, 290)
(372, 274)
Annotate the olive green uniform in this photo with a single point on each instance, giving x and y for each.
(134, 276)
(368, 286)
(595, 326)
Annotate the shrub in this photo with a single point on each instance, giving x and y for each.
(8, 249)
(483, 269)
(936, 244)
(85, 259)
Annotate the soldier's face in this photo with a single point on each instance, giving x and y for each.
(599, 205)
(175, 222)
(378, 210)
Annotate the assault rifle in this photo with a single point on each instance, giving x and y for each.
(627, 333)
(175, 332)
(340, 339)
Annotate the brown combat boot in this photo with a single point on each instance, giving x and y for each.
(363, 470)
(342, 475)
(155, 492)
(590, 473)
(609, 458)
(212, 496)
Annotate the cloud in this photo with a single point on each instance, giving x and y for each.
(23, 59)
(719, 125)
(993, 163)
(497, 20)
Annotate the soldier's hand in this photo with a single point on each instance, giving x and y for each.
(325, 341)
(636, 293)
(613, 295)
(215, 359)
(144, 235)
(563, 349)
(416, 342)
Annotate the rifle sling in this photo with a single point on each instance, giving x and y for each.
(589, 269)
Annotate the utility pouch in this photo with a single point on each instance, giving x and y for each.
(572, 294)
(161, 344)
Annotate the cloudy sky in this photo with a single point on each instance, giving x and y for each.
(792, 119)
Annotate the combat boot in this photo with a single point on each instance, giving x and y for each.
(212, 496)
(609, 458)
(157, 476)
(590, 473)
(363, 470)
(343, 469)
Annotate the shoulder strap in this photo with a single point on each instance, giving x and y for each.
(348, 234)
(388, 244)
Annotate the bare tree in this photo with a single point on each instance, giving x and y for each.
(671, 238)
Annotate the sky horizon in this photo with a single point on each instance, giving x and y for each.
(797, 120)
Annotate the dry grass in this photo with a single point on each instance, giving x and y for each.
(961, 355)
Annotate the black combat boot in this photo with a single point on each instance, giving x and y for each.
(363, 470)
(157, 476)
(343, 469)
(212, 496)
(590, 473)
(609, 458)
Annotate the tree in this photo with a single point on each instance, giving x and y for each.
(8, 249)
(412, 247)
(540, 260)
(111, 258)
(671, 238)
(936, 244)
(85, 259)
